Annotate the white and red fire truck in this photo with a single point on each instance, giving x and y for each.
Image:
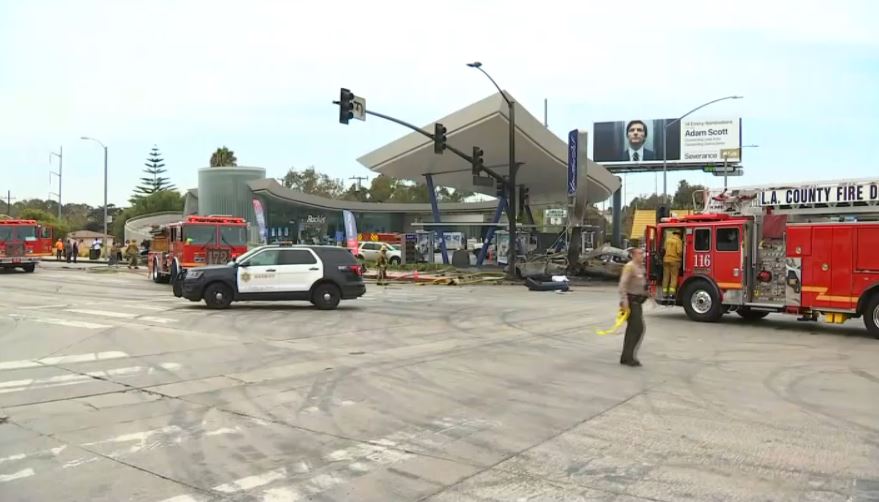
(195, 242)
(810, 250)
(23, 243)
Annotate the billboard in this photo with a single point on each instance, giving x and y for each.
(692, 141)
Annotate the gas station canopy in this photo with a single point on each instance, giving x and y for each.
(541, 154)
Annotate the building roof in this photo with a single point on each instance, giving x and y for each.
(542, 154)
(647, 217)
(271, 188)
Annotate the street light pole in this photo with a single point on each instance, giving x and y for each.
(511, 184)
(86, 138)
(60, 156)
(665, 141)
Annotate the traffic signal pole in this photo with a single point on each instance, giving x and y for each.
(346, 112)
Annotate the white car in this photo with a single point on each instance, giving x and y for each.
(369, 251)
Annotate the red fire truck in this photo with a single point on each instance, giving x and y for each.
(195, 242)
(23, 243)
(810, 250)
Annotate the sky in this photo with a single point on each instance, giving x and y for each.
(259, 76)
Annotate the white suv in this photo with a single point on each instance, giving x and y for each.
(369, 251)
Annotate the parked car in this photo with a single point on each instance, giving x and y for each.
(607, 262)
(323, 275)
(369, 251)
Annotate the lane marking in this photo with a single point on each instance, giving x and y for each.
(24, 473)
(72, 358)
(281, 495)
(103, 313)
(250, 482)
(160, 320)
(73, 379)
(120, 315)
(60, 322)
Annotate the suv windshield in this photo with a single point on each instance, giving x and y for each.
(233, 236)
(200, 234)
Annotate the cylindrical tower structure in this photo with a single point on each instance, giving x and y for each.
(224, 190)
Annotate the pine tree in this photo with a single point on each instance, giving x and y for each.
(153, 182)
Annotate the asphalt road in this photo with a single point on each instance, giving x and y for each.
(111, 389)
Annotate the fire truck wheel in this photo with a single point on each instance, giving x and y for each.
(871, 316)
(701, 302)
(157, 278)
(751, 315)
(29, 268)
(326, 297)
(218, 296)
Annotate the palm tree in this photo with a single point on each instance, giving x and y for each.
(223, 157)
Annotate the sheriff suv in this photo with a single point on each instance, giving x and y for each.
(323, 275)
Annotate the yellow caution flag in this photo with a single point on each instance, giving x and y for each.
(622, 315)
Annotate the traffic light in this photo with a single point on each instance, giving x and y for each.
(478, 160)
(501, 188)
(439, 138)
(523, 195)
(346, 106)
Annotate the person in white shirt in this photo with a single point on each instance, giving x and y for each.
(636, 136)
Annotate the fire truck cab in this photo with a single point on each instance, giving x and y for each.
(194, 242)
(809, 250)
(23, 243)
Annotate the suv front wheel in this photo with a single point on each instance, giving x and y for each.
(326, 297)
(218, 296)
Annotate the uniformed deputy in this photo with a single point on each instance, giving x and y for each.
(633, 293)
(671, 263)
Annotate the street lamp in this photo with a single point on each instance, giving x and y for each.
(665, 141)
(511, 185)
(86, 138)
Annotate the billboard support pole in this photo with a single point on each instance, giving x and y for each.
(665, 141)
(616, 218)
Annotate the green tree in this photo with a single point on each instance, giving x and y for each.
(382, 188)
(356, 193)
(223, 157)
(47, 219)
(312, 182)
(153, 181)
(77, 215)
(683, 198)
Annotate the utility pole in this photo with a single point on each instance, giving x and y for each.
(60, 156)
(9, 199)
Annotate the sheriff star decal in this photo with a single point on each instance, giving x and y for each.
(245, 277)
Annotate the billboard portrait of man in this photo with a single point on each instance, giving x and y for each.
(635, 144)
(632, 142)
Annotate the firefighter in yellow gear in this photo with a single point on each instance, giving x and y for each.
(671, 263)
